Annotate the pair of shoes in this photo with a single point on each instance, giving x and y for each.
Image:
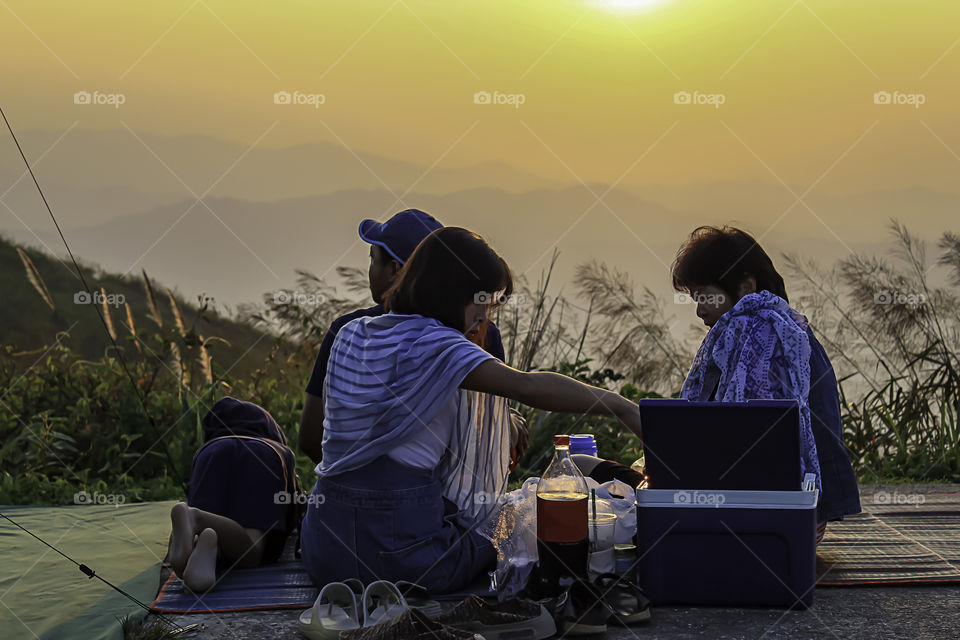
(626, 602)
(337, 608)
(609, 599)
(514, 619)
(583, 613)
(410, 625)
(413, 594)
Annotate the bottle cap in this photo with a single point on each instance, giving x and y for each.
(583, 443)
(561, 440)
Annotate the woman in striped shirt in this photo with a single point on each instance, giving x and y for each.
(416, 441)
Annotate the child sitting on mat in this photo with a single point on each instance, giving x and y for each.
(241, 506)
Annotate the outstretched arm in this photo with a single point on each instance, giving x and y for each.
(552, 391)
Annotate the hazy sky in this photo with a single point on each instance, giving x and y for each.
(810, 122)
(796, 79)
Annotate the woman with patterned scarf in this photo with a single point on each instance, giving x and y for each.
(758, 347)
(416, 443)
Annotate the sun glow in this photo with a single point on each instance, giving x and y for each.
(630, 5)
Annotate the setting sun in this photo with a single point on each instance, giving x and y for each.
(630, 5)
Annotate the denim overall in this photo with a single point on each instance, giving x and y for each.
(388, 521)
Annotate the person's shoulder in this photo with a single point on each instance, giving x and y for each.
(375, 310)
(816, 348)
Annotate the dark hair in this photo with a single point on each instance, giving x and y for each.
(445, 273)
(724, 257)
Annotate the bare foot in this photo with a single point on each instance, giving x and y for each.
(182, 540)
(200, 573)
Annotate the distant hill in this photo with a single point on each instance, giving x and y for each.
(242, 248)
(245, 248)
(27, 322)
(91, 176)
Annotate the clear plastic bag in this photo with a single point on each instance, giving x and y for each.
(515, 537)
(515, 540)
(621, 499)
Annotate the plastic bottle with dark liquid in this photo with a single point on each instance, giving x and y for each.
(562, 538)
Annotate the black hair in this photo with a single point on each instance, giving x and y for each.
(450, 268)
(724, 257)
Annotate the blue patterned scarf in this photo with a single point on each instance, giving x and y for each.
(758, 350)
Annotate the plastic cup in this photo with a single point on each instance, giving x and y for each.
(625, 558)
(602, 531)
(600, 562)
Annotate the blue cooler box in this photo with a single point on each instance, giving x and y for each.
(749, 548)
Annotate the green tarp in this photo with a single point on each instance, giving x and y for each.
(43, 595)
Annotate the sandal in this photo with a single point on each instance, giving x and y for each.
(356, 586)
(626, 603)
(335, 610)
(382, 601)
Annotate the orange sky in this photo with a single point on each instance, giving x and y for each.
(811, 123)
(398, 77)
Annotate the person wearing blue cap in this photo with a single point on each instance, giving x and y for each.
(391, 244)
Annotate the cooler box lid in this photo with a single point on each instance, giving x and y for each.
(730, 499)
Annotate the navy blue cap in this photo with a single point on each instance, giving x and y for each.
(401, 234)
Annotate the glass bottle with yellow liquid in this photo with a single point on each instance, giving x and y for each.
(562, 540)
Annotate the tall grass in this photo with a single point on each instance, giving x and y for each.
(548, 332)
(890, 324)
(68, 424)
(302, 315)
(892, 328)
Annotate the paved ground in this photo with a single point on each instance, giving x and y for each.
(923, 613)
(871, 613)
